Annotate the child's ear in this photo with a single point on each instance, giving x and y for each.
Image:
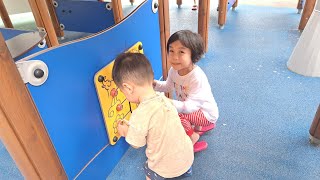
(128, 87)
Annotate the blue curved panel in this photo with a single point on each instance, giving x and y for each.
(68, 103)
(32, 51)
(10, 33)
(84, 16)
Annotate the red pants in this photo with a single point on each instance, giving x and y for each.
(196, 118)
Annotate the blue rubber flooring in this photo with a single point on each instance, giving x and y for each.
(8, 169)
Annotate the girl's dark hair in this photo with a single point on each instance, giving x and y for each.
(132, 67)
(190, 40)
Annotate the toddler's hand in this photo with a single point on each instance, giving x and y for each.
(122, 127)
(154, 83)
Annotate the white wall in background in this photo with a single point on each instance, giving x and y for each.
(17, 6)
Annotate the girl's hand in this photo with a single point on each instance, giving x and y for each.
(122, 127)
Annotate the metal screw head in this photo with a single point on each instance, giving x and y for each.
(100, 78)
(55, 4)
(115, 139)
(62, 26)
(155, 5)
(38, 73)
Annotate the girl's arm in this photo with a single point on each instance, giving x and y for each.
(164, 86)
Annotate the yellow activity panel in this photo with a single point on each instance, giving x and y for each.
(113, 103)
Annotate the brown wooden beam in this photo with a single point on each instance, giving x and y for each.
(13, 145)
(300, 5)
(117, 10)
(235, 5)
(164, 21)
(22, 130)
(54, 18)
(42, 17)
(203, 21)
(5, 16)
(179, 2)
(315, 126)
(222, 17)
(307, 11)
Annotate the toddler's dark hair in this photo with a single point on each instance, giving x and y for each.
(132, 67)
(190, 40)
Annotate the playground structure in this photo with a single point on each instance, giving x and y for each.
(54, 28)
(69, 15)
(63, 15)
(32, 42)
(113, 103)
(223, 8)
(308, 9)
(305, 58)
(59, 132)
(98, 16)
(225, 5)
(315, 129)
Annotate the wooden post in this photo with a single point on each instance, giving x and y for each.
(164, 21)
(307, 11)
(54, 19)
(179, 2)
(203, 21)
(117, 10)
(164, 34)
(21, 128)
(5, 16)
(222, 17)
(300, 6)
(235, 5)
(41, 15)
(315, 128)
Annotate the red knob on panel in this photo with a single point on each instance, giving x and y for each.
(114, 92)
(119, 107)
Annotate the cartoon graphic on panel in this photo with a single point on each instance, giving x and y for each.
(113, 103)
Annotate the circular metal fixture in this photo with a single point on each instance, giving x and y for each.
(100, 78)
(109, 6)
(115, 139)
(62, 26)
(38, 73)
(55, 4)
(42, 44)
(155, 6)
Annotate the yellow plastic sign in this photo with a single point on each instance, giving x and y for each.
(113, 103)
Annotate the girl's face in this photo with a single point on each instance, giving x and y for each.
(180, 58)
